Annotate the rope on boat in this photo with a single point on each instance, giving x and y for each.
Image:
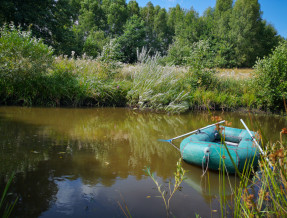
(175, 147)
(206, 158)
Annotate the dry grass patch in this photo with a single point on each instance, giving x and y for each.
(236, 73)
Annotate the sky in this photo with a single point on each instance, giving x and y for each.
(274, 11)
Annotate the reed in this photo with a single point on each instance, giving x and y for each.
(261, 193)
(6, 207)
(167, 195)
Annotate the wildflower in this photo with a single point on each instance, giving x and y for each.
(216, 118)
(228, 123)
(284, 131)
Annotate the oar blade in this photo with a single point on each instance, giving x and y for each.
(165, 140)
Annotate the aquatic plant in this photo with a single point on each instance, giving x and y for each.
(261, 193)
(5, 207)
(172, 188)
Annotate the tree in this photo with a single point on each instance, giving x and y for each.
(161, 30)
(94, 43)
(133, 8)
(132, 38)
(245, 25)
(47, 19)
(117, 14)
(175, 16)
(91, 17)
(223, 10)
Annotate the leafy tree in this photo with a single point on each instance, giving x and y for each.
(47, 19)
(245, 25)
(207, 26)
(223, 10)
(271, 78)
(133, 8)
(91, 17)
(117, 14)
(132, 38)
(188, 31)
(175, 17)
(161, 30)
(94, 43)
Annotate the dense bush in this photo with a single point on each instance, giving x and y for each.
(23, 59)
(22, 55)
(271, 78)
(30, 75)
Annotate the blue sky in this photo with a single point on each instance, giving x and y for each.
(275, 12)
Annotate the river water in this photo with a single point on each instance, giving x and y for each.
(91, 162)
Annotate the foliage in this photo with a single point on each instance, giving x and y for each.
(7, 208)
(159, 88)
(132, 38)
(22, 55)
(109, 52)
(94, 43)
(265, 193)
(271, 78)
(236, 33)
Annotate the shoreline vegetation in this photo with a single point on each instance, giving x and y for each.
(30, 75)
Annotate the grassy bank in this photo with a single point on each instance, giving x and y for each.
(30, 75)
(88, 82)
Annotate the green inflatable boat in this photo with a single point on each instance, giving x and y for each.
(206, 149)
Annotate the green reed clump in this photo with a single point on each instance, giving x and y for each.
(264, 193)
(6, 208)
(222, 94)
(158, 87)
(90, 82)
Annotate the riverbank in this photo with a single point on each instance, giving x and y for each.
(88, 82)
(30, 75)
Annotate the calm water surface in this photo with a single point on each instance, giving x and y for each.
(88, 162)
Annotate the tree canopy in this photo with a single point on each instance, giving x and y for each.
(236, 33)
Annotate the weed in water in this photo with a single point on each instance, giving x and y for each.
(172, 188)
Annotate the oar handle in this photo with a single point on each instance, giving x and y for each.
(259, 147)
(196, 130)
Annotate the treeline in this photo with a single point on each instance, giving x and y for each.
(233, 35)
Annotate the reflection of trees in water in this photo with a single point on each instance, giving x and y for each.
(97, 145)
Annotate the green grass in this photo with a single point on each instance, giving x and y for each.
(88, 82)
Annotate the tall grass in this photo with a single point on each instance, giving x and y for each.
(265, 195)
(159, 88)
(261, 193)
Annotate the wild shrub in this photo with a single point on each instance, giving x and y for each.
(23, 59)
(22, 55)
(271, 78)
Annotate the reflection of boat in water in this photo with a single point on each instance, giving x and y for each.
(211, 185)
(206, 149)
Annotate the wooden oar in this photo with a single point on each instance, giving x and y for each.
(254, 140)
(189, 133)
